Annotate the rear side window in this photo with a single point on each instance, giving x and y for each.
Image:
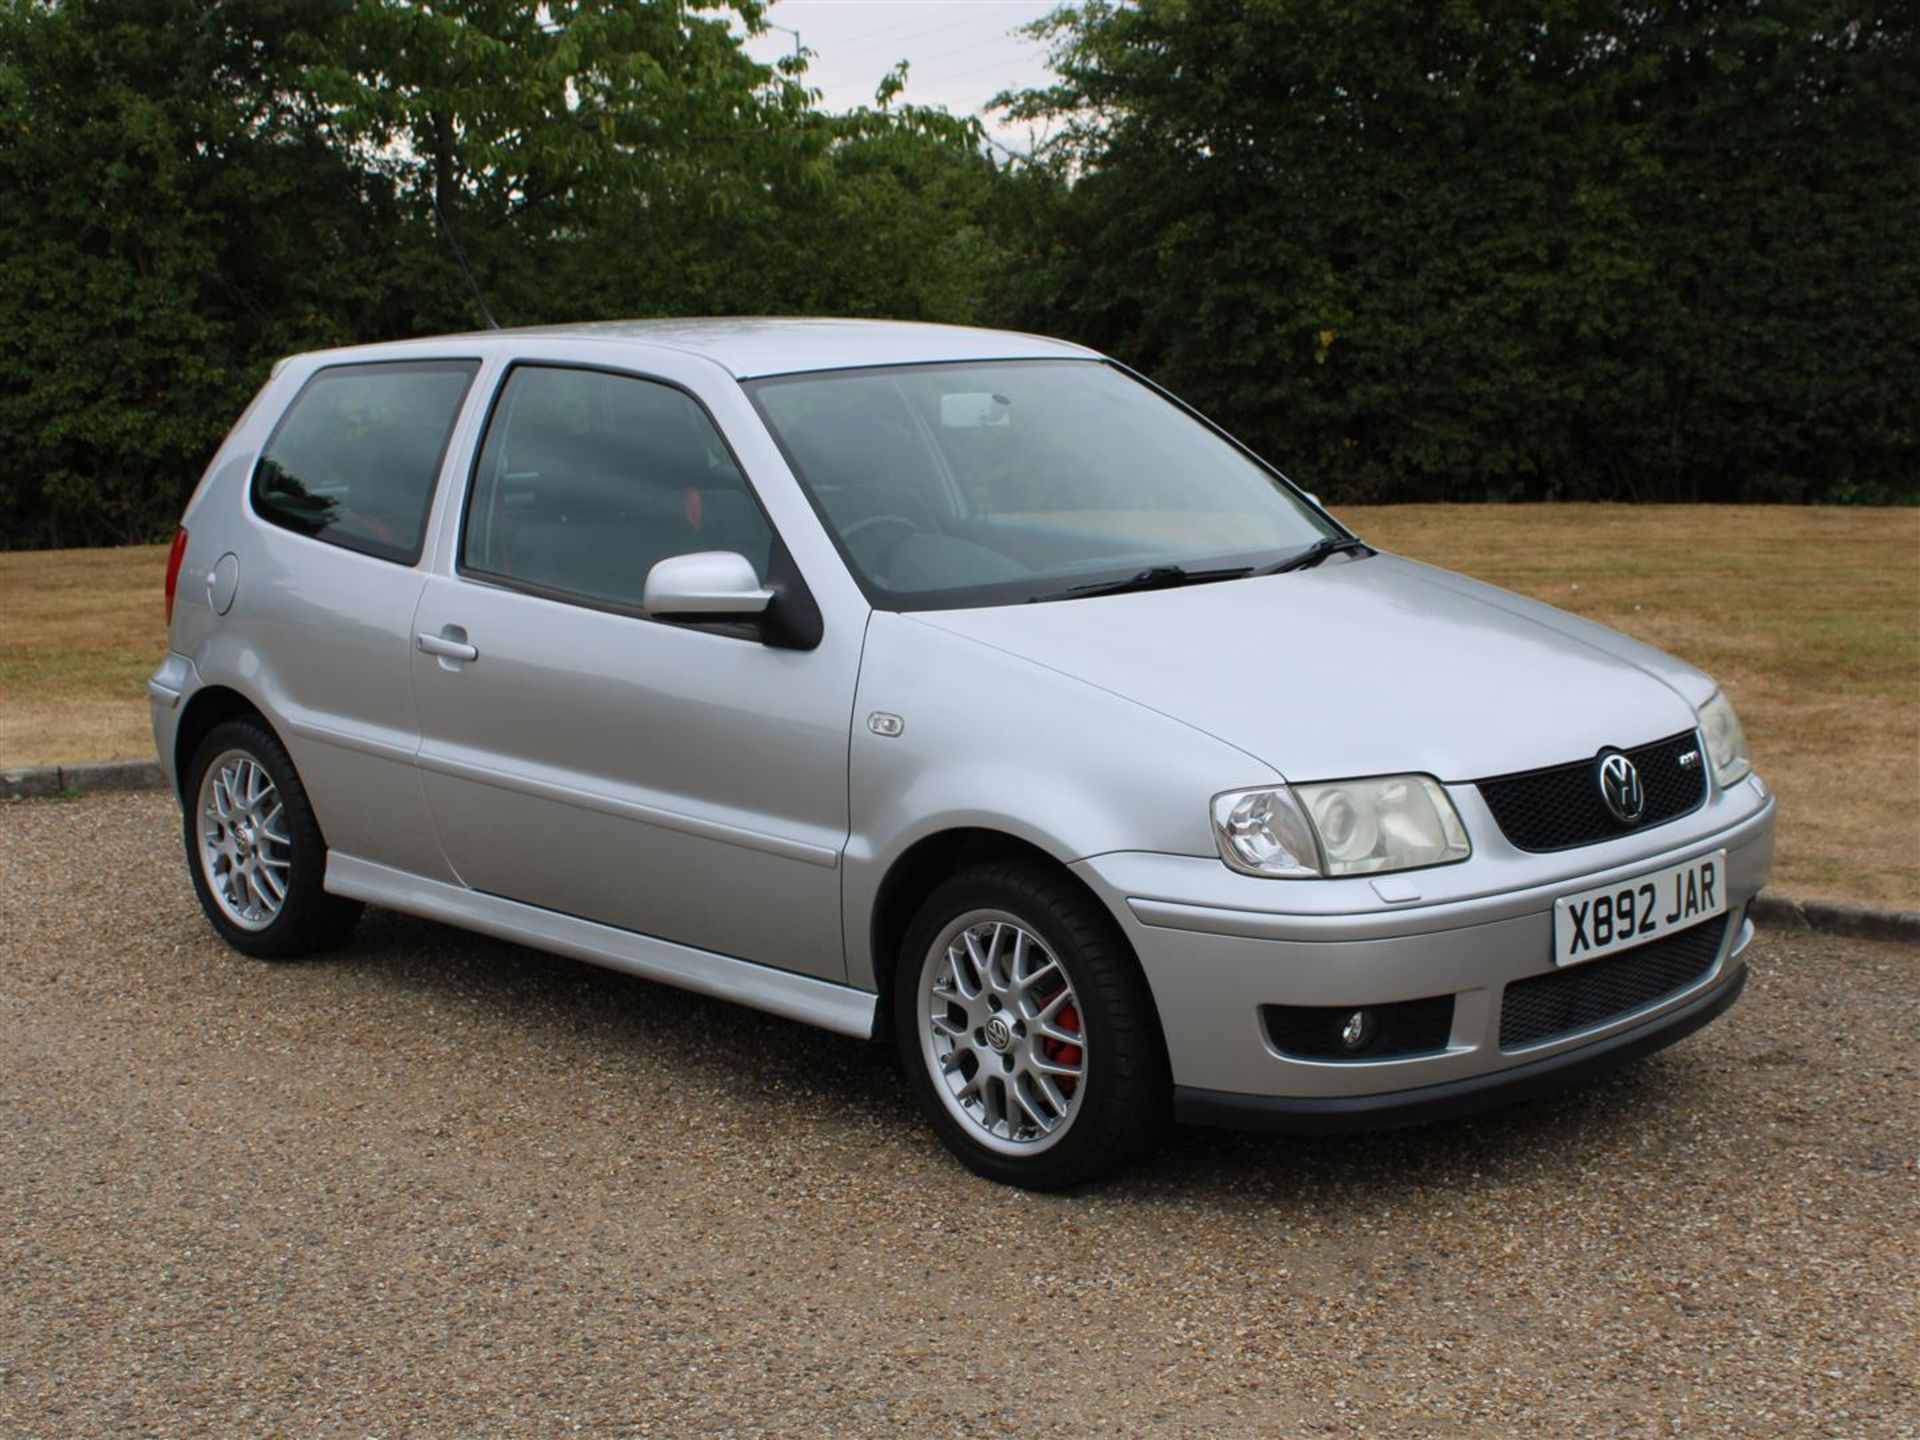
(353, 460)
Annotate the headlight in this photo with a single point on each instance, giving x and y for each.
(1265, 832)
(1726, 741)
(1347, 827)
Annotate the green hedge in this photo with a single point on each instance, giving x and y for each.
(1461, 250)
(1480, 250)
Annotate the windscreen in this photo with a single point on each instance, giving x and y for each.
(984, 484)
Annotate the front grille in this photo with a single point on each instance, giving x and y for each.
(1560, 807)
(1402, 1027)
(1562, 1001)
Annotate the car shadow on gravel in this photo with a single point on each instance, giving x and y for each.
(607, 1016)
(581, 1015)
(1556, 1138)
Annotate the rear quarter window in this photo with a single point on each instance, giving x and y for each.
(354, 459)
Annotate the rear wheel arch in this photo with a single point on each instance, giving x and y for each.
(210, 706)
(254, 848)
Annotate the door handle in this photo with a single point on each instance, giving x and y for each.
(445, 648)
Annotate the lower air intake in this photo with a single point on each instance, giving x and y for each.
(1544, 1007)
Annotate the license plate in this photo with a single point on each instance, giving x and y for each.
(1611, 918)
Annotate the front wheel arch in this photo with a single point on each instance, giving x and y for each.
(919, 871)
(1122, 1103)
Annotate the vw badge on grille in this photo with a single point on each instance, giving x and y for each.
(1620, 788)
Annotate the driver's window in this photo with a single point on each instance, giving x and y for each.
(586, 480)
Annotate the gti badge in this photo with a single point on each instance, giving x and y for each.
(1620, 788)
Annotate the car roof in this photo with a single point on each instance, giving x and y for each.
(749, 346)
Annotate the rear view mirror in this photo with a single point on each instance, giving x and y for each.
(706, 585)
(975, 410)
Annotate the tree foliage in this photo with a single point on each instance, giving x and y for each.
(194, 189)
(172, 220)
(1477, 249)
(1440, 249)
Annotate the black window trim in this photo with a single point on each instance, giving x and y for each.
(783, 572)
(473, 365)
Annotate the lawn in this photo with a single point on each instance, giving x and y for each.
(80, 631)
(1809, 617)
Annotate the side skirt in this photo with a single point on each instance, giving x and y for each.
(839, 1008)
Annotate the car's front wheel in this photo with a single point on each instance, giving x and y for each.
(255, 849)
(1027, 1030)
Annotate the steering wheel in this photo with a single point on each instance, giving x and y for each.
(871, 524)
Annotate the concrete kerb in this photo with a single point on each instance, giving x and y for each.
(1779, 912)
(43, 782)
(1836, 917)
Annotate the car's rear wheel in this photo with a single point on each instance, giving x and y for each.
(255, 849)
(1027, 1030)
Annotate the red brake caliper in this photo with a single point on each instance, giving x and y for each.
(1063, 1052)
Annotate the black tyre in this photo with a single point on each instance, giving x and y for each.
(1027, 1031)
(254, 849)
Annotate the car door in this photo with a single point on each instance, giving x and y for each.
(682, 781)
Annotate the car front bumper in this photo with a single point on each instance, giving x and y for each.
(1217, 952)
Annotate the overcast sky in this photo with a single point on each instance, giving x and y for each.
(960, 53)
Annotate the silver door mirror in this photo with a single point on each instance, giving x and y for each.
(707, 584)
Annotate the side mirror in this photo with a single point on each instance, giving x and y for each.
(1314, 498)
(707, 585)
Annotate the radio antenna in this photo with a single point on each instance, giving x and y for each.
(465, 269)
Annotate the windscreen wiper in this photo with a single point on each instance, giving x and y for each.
(1154, 577)
(1315, 553)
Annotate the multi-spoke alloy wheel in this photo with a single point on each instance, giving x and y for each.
(245, 851)
(1003, 1032)
(1026, 1028)
(258, 859)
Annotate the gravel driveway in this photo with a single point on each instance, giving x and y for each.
(439, 1185)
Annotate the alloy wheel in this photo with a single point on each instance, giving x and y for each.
(244, 850)
(1001, 1033)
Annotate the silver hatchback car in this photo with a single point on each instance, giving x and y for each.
(945, 686)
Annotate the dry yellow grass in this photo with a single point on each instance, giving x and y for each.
(1809, 617)
(80, 631)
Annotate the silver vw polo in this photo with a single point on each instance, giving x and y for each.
(949, 687)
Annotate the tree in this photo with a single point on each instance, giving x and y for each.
(520, 128)
(1474, 249)
(172, 223)
(197, 189)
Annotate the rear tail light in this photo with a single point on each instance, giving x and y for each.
(174, 557)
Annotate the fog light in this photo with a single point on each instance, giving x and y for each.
(1357, 1030)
